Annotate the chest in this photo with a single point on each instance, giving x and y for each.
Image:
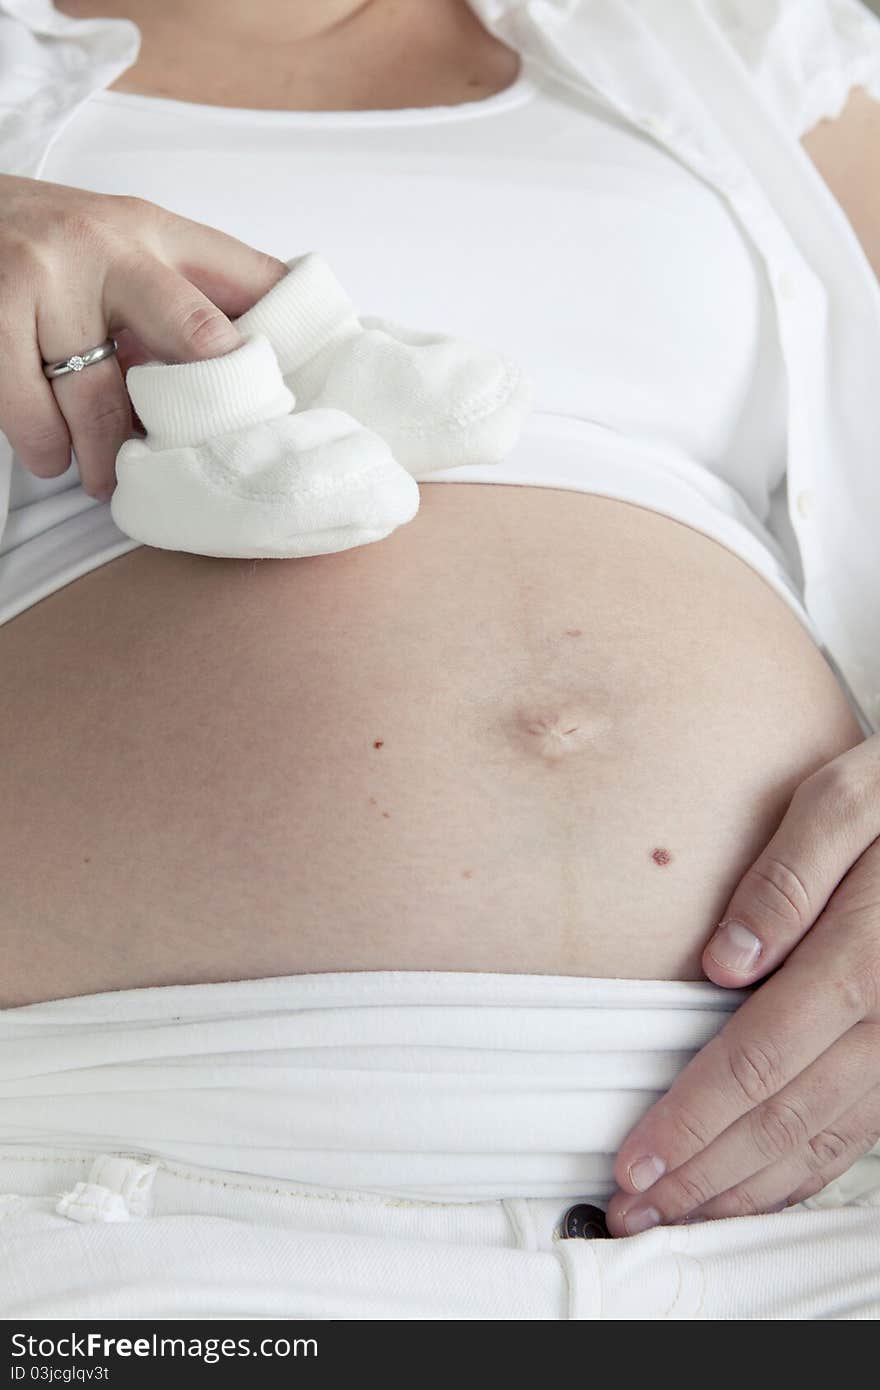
(618, 279)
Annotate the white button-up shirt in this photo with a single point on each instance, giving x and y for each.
(728, 86)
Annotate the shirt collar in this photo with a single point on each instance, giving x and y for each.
(41, 17)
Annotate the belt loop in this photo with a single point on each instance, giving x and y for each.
(522, 1222)
(118, 1188)
(583, 1276)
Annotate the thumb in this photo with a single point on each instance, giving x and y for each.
(827, 826)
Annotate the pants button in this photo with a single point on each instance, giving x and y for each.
(584, 1222)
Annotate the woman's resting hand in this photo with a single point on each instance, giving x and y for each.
(787, 1096)
(77, 267)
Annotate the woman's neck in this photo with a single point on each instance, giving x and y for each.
(290, 20)
(308, 54)
(253, 21)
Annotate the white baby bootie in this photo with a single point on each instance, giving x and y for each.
(438, 401)
(227, 470)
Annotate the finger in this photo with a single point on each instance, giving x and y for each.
(130, 353)
(778, 1032)
(828, 1154)
(232, 274)
(170, 317)
(222, 272)
(29, 413)
(94, 401)
(832, 818)
(771, 1133)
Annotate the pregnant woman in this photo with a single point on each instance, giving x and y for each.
(362, 901)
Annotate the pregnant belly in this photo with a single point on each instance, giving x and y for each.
(533, 731)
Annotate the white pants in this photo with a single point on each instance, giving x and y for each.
(201, 1243)
(379, 1145)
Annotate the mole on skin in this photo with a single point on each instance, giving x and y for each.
(661, 856)
(379, 743)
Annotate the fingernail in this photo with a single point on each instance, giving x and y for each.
(735, 947)
(644, 1172)
(643, 1220)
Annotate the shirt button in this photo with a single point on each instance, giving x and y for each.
(584, 1222)
(806, 503)
(786, 286)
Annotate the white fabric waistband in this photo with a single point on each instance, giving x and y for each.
(433, 1085)
(48, 545)
(565, 452)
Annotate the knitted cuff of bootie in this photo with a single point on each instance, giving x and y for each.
(306, 311)
(191, 402)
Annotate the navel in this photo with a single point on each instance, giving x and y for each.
(558, 731)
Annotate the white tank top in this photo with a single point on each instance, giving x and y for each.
(535, 222)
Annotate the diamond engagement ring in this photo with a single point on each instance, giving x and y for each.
(80, 359)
